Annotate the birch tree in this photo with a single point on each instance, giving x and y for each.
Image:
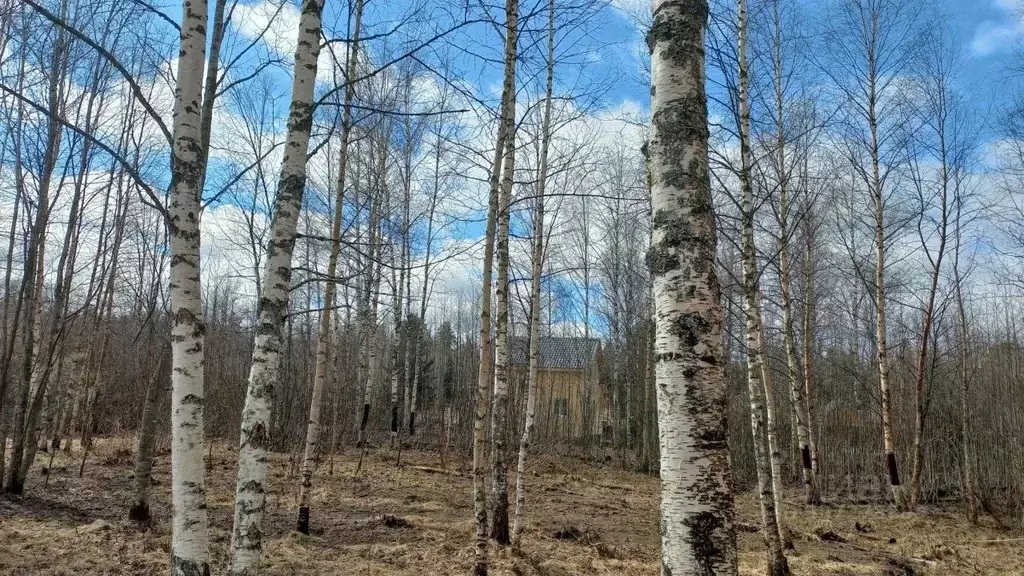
(502, 356)
(505, 132)
(35, 337)
(866, 71)
(189, 539)
(253, 449)
(697, 533)
(758, 375)
(536, 269)
(323, 336)
(808, 316)
(963, 364)
(370, 299)
(144, 445)
(780, 75)
(944, 144)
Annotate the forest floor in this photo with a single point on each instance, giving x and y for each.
(417, 519)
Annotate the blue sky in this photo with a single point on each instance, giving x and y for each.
(988, 32)
(608, 51)
(991, 31)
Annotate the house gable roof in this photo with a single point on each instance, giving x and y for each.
(556, 352)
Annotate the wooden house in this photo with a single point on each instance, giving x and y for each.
(572, 403)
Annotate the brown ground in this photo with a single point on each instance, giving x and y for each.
(404, 521)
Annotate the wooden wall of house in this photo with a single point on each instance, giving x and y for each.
(582, 393)
(578, 392)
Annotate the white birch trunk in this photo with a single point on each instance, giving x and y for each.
(369, 304)
(771, 425)
(808, 341)
(323, 359)
(762, 420)
(531, 393)
(189, 540)
(797, 397)
(37, 348)
(697, 533)
(505, 126)
(264, 373)
(967, 454)
(881, 332)
(396, 349)
(499, 406)
(537, 269)
(483, 378)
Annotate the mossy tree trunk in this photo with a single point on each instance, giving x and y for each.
(697, 518)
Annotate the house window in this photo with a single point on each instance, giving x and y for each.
(561, 407)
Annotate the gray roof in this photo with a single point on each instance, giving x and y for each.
(555, 352)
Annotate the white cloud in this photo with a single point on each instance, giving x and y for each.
(638, 12)
(993, 36)
(276, 23)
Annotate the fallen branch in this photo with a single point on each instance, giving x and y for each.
(995, 541)
(430, 470)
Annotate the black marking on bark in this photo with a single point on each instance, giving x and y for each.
(894, 474)
(301, 117)
(711, 438)
(182, 567)
(702, 529)
(689, 327)
(191, 399)
(252, 486)
(304, 519)
(366, 417)
(679, 124)
(499, 525)
(778, 566)
(806, 452)
(394, 419)
(139, 512)
(184, 316)
(259, 438)
(661, 260)
(412, 423)
(673, 30)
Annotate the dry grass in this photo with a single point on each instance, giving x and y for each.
(413, 520)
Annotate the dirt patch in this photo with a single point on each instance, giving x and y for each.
(417, 519)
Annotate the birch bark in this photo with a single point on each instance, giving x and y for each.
(264, 373)
(189, 540)
(34, 338)
(505, 127)
(697, 533)
(323, 341)
(758, 383)
(537, 269)
(499, 406)
(797, 397)
(808, 336)
(139, 509)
